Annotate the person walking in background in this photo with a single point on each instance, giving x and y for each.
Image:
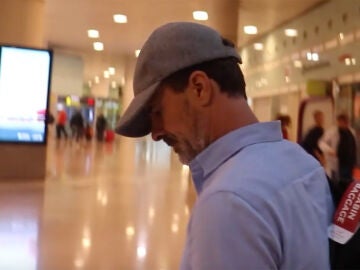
(60, 124)
(49, 121)
(77, 125)
(263, 203)
(311, 140)
(339, 147)
(101, 124)
(49, 118)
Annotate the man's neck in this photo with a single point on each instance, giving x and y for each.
(229, 114)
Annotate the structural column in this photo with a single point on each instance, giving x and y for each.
(128, 92)
(22, 24)
(128, 146)
(223, 16)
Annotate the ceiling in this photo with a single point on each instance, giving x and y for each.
(67, 22)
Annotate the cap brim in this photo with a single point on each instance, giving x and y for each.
(136, 121)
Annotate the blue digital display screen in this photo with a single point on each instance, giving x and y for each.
(24, 89)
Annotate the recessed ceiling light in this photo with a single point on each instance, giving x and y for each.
(97, 79)
(297, 64)
(312, 56)
(112, 70)
(350, 61)
(291, 32)
(106, 74)
(200, 15)
(120, 18)
(309, 56)
(92, 33)
(137, 52)
(250, 29)
(315, 56)
(98, 46)
(258, 46)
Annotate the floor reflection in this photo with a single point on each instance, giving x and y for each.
(20, 211)
(121, 205)
(18, 244)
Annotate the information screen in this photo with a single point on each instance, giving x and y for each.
(24, 89)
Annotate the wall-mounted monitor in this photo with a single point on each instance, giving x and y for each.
(24, 92)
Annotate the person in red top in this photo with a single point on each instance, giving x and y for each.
(60, 124)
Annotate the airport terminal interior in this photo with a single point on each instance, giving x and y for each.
(124, 203)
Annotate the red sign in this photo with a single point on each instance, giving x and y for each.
(347, 215)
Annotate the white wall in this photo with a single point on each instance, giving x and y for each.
(67, 74)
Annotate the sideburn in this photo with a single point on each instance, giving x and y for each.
(197, 127)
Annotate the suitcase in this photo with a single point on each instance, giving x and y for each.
(109, 135)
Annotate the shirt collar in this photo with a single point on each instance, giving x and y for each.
(226, 146)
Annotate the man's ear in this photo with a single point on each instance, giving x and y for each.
(201, 89)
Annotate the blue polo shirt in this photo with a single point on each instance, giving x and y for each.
(263, 203)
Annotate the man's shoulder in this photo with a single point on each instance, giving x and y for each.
(260, 175)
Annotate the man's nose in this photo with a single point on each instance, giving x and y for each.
(157, 130)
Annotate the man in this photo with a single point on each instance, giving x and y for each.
(339, 146)
(77, 125)
(312, 137)
(263, 203)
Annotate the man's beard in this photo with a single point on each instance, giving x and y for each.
(183, 147)
(187, 148)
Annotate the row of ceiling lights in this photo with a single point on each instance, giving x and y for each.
(93, 33)
(198, 15)
(311, 56)
(252, 30)
(107, 73)
(348, 61)
(99, 46)
(120, 18)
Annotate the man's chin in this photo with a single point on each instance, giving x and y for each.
(184, 160)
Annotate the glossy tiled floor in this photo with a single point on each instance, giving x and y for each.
(103, 206)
